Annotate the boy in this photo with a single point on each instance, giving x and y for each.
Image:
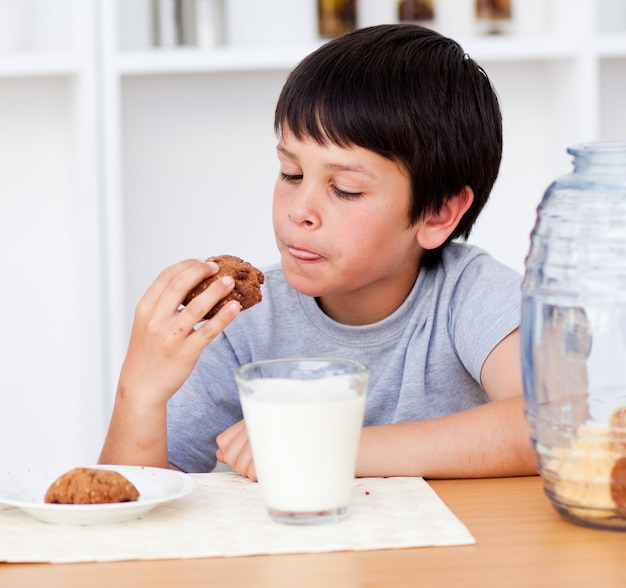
(390, 140)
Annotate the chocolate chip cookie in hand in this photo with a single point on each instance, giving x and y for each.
(248, 280)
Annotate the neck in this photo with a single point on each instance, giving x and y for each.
(369, 304)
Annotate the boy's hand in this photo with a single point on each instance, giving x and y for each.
(164, 346)
(234, 450)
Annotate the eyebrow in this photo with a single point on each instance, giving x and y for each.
(334, 166)
(284, 151)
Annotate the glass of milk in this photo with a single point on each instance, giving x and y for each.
(304, 419)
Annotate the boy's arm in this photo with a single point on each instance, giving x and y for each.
(137, 432)
(163, 350)
(491, 440)
(488, 441)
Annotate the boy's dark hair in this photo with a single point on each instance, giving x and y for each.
(410, 95)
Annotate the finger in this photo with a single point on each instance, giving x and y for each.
(163, 282)
(244, 465)
(225, 438)
(210, 329)
(240, 456)
(181, 283)
(199, 306)
(236, 451)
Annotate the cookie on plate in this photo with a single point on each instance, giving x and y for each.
(91, 486)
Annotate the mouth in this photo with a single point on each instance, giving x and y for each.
(303, 254)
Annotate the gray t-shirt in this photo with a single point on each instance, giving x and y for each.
(425, 359)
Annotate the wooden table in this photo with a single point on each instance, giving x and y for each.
(521, 541)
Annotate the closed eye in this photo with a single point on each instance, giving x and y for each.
(290, 177)
(347, 195)
(294, 178)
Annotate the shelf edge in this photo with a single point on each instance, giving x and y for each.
(38, 65)
(222, 59)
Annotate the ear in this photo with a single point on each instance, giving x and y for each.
(436, 227)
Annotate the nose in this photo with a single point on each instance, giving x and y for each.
(304, 208)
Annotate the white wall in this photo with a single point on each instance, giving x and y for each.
(197, 167)
(199, 170)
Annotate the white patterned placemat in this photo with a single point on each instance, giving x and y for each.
(224, 516)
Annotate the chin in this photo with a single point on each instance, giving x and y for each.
(303, 284)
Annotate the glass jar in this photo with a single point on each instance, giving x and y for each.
(574, 337)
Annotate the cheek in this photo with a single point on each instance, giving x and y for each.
(384, 235)
(278, 202)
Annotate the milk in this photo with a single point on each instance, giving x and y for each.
(304, 436)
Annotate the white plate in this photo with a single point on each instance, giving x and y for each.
(26, 490)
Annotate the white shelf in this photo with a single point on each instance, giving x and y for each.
(219, 59)
(518, 48)
(611, 46)
(187, 60)
(38, 64)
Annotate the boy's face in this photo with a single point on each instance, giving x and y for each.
(341, 225)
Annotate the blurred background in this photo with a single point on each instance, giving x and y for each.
(136, 133)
